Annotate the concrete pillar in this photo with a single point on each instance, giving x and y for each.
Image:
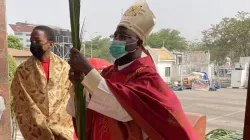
(5, 122)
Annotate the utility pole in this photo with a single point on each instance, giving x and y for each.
(5, 121)
(84, 49)
(91, 48)
(91, 41)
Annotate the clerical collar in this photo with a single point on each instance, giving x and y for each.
(124, 66)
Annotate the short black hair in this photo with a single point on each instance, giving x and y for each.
(48, 31)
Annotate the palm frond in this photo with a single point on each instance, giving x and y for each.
(80, 99)
(74, 7)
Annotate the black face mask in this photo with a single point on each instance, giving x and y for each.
(37, 50)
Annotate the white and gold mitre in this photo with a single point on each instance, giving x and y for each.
(139, 19)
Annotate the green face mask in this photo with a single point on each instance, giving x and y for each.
(118, 49)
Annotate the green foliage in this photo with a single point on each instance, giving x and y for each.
(14, 42)
(12, 67)
(100, 48)
(221, 134)
(12, 71)
(170, 38)
(229, 38)
(197, 46)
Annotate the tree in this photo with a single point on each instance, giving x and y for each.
(229, 38)
(197, 46)
(12, 67)
(12, 71)
(14, 42)
(169, 38)
(100, 47)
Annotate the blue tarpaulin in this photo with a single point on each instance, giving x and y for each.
(205, 77)
(177, 89)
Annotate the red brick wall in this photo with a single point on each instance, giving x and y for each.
(5, 128)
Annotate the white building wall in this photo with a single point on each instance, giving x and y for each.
(176, 72)
(10, 31)
(244, 60)
(161, 69)
(24, 38)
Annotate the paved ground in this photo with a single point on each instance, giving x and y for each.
(224, 108)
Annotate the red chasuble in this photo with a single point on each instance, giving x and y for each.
(153, 106)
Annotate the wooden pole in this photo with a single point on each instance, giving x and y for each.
(5, 122)
(246, 134)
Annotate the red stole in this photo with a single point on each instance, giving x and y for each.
(45, 65)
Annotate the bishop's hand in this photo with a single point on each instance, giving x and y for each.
(78, 62)
(75, 76)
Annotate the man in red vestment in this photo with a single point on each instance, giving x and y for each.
(129, 100)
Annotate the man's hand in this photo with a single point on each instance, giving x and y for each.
(78, 62)
(75, 76)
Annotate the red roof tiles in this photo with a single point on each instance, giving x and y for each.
(22, 28)
(20, 53)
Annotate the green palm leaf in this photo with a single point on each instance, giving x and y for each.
(80, 99)
(74, 7)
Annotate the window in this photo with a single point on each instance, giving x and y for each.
(18, 33)
(28, 34)
(28, 40)
(20, 39)
(179, 60)
(167, 71)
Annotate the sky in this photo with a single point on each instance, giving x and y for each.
(190, 17)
